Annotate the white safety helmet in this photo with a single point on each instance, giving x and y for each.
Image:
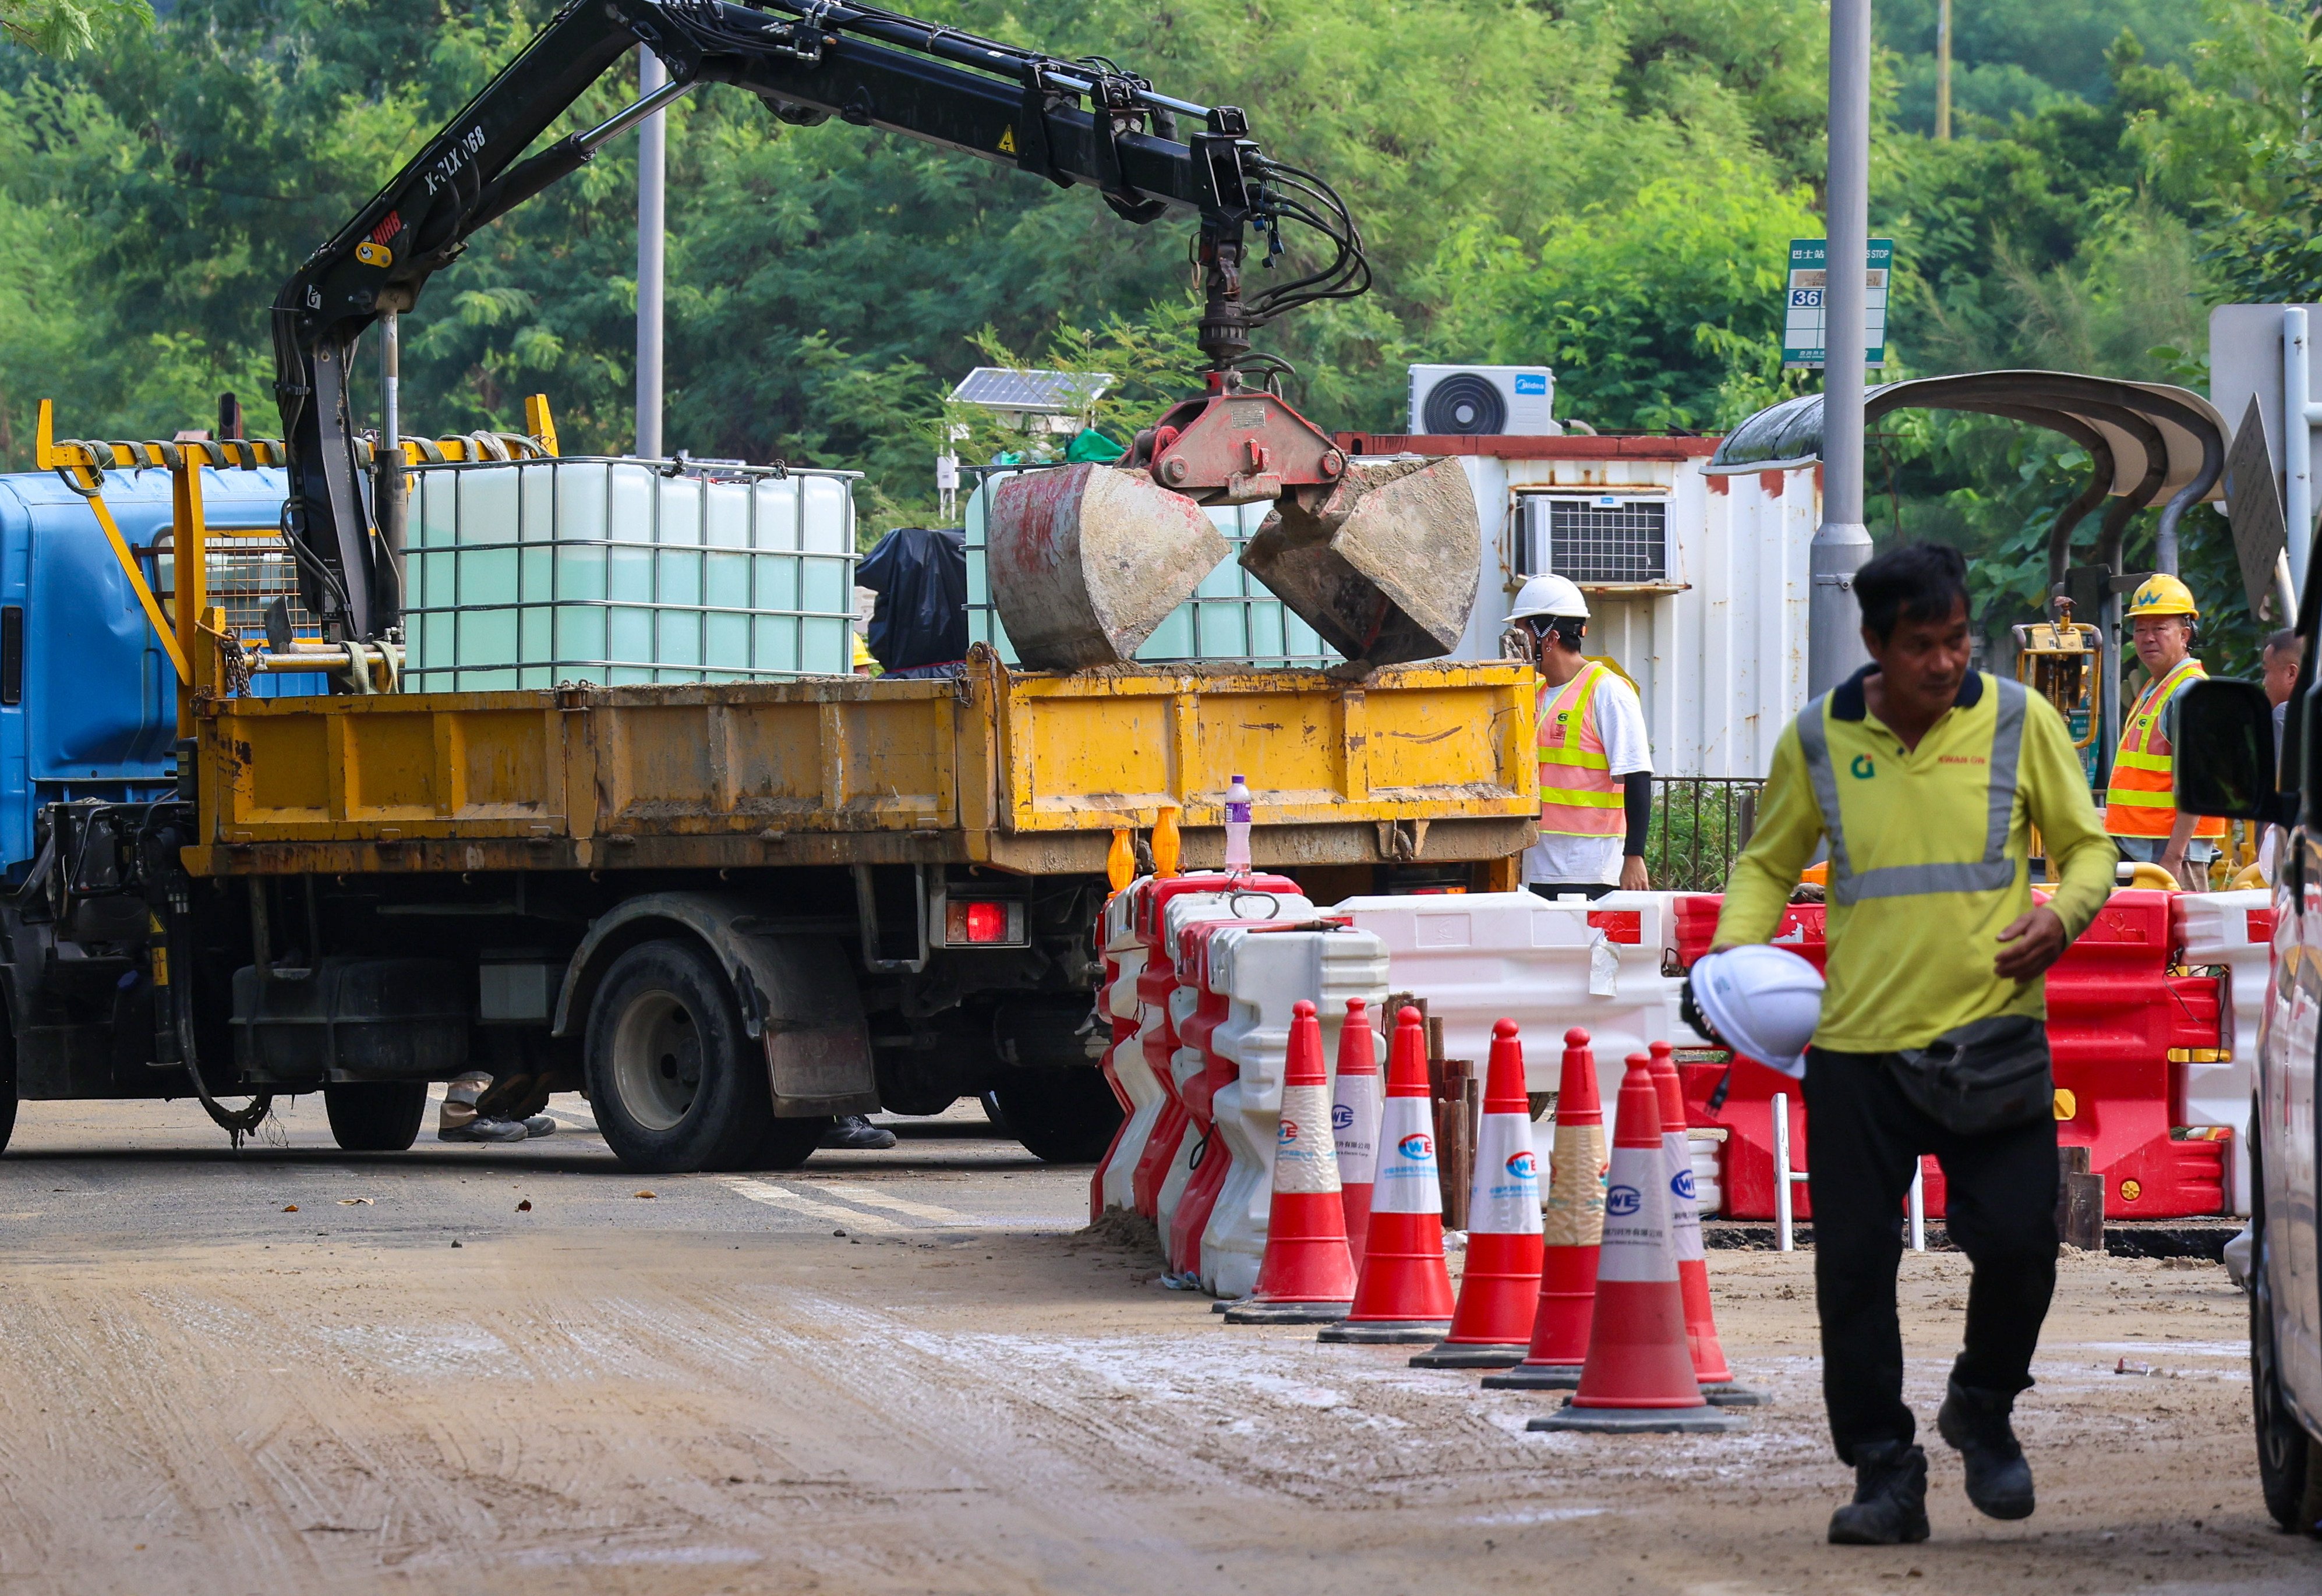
(1549, 596)
(1763, 1001)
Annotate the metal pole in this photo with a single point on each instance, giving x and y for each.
(1917, 1205)
(1842, 543)
(653, 173)
(2297, 446)
(1943, 72)
(388, 488)
(1782, 1228)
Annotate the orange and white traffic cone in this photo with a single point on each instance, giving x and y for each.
(1639, 1375)
(1571, 1232)
(1307, 1275)
(1355, 1122)
(1499, 1293)
(1405, 1292)
(1709, 1366)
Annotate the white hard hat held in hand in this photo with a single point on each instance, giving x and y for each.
(1763, 1002)
(1549, 596)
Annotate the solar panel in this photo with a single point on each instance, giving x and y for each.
(1045, 393)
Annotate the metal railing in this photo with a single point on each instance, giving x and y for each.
(1699, 824)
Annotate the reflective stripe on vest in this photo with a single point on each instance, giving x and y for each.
(1990, 874)
(1578, 795)
(2142, 801)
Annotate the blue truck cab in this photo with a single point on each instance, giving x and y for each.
(89, 703)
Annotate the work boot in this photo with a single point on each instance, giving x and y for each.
(853, 1132)
(1974, 1423)
(484, 1130)
(538, 1125)
(1890, 1498)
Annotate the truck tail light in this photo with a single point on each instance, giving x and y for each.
(983, 921)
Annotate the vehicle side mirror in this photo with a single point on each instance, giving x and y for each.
(2225, 752)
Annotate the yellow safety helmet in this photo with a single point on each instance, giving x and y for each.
(2162, 594)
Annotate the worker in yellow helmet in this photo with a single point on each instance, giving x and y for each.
(2141, 812)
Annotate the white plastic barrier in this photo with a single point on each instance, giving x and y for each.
(1708, 1175)
(1188, 909)
(2217, 930)
(1121, 946)
(1263, 973)
(1548, 966)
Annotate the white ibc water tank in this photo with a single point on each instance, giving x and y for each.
(526, 573)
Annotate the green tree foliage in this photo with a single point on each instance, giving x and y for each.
(67, 27)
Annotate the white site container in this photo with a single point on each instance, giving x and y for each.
(1187, 910)
(1266, 973)
(1482, 957)
(1696, 585)
(1231, 616)
(529, 573)
(2217, 930)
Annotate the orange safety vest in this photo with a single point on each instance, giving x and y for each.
(2142, 800)
(1580, 797)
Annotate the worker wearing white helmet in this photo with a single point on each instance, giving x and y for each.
(1596, 759)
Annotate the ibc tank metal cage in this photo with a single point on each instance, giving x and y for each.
(529, 573)
(1232, 617)
(246, 571)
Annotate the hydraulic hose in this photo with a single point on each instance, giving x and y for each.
(236, 1123)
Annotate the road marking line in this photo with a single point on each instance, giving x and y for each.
(782, 1196)
(875, 1198)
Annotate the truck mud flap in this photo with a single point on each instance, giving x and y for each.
(810, 1015)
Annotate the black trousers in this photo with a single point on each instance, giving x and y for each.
(2000, 1207)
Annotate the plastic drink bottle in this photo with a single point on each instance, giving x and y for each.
(1237, 828)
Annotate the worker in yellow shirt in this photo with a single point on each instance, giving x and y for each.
(2141, 808)
(1926, 777)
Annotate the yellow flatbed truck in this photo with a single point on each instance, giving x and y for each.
(727, 912)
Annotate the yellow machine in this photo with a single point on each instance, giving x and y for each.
(2058, 660)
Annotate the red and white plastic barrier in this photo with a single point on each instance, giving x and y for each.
(1261, 973)
(1481, 957)
(2233, 931)
(2121, 1028)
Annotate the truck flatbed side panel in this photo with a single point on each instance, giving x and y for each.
(836, 754)
(1029, 772)
(1110, 748)
(467, 765)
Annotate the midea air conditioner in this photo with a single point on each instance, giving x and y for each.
(1482, 401)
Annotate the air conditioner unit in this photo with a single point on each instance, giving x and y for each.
(1598, 540)
(1482, 401)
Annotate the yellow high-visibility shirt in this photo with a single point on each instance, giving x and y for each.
(1928, 859)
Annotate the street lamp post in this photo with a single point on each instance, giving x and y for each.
(1842, 543)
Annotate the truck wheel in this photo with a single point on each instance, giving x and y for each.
(375, 1116)
(1063, 1116)
(2285, 1453)
(677, 1083)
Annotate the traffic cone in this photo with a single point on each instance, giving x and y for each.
(1571, 1232)
(1405, 1292)
(1639, 1375)
(1307, 1276)
(1500, 1291)
(1355, 1122)
(1709, 1367)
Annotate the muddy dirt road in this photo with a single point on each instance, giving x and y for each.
(300, 1372)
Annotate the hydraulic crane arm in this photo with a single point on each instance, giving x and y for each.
(1074, 122)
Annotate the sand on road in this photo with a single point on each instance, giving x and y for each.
(710, 1391)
